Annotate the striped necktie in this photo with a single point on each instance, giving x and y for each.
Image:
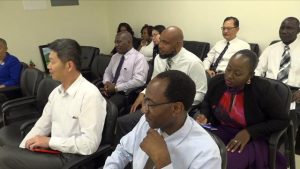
(285, 65)
(169, 64)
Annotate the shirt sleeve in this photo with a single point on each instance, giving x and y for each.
(209, 59)
(263, 63)
(91, 122)
(139, 76)
(108, 74)
(14, 67)
(197, 74)
(43, 126)
(123, 154)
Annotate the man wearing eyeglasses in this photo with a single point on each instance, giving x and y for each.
(165, 133)
(218, 57)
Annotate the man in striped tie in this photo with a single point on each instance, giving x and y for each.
(281, 61)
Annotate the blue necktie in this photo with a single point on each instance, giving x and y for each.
(117, 74)
(285, 65)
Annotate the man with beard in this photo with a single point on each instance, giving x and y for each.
(172, 56)
(281, 61)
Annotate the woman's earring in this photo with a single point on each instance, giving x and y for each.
(249, 81)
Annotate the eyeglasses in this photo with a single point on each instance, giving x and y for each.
(148, 106)
(227, 28)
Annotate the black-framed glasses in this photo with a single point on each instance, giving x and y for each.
(147, 105)
(227, 28)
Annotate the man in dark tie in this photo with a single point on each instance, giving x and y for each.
(281, 61)
(127, 69)
(165, 134)
(218, 57)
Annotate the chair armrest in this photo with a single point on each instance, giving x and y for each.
(102, 152)
(6, 110)
(134, 90)
(16, 100)
(9, 89)
(273, 143)
(26, 126)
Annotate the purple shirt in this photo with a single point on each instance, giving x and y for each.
(133, 72)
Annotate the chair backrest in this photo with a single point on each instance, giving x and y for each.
(87, 55)
(30, 80)
(254, 48)
(223, 150)
(45, 88)
(98, 67)
(110, 124)
(200, 49)
(274, 41)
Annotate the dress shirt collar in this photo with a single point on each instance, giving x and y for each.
(291, 45)
(127, 54)
(176, 58)
(75, 86)
(231, 41)
(177, 137)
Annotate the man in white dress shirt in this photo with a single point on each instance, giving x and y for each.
(172, 56)
(271, 59)
(72, 120)
(166, 137)
(127, 69)
(218, 57)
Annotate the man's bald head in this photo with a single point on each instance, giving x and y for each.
(171, 42)
(123, 42)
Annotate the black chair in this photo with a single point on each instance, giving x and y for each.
(286, 134)
(98, 67)
(222, 147)
(15, 114)
(87, 55)
(274, 41)
(200, 49)
(29, 82)
(98, 158)
(254, 48)
(32, 106)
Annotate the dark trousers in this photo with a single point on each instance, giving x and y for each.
(126, 123)
(18, 158)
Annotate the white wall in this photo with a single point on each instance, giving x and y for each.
(201, 19)
(25, 30)
(94, 22)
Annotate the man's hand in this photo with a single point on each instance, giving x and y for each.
(211, 73)
(138, 102)
(37, 142)
(200, 118)
(109, 88)
(156, 148)
(239, 141)
(296, 96)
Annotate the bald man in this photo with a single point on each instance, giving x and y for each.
(127, 69)
(172, 56)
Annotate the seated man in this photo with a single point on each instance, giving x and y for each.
(281, 61)
(74, 117)
(10, 70)
(127, 69)
(218, 57)
(10, 67)
(172, 56)
(165, 134)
